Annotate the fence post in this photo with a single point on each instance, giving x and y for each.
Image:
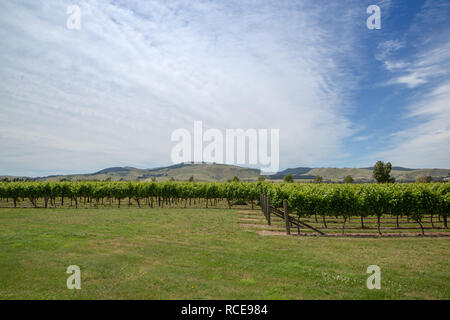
(265, 205)
(268, 210)
(260, 200)
(286, 217)
(261, 203)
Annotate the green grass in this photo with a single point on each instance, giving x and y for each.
(203, 254)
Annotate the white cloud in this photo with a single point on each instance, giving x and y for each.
(427, 66)
(429, 39)
(392, 66)
(361, 138)
(411, 80)
(426, 144)
(112, 92)
(388, 47)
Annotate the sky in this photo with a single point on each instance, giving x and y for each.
(112, 92)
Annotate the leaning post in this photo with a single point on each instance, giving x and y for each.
(261, 202)
(286, 217)
(265, 205)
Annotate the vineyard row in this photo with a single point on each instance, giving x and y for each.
(360, 200)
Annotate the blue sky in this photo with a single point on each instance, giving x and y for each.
(111, 93)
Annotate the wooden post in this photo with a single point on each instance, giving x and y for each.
(260, 202)
(264, 205)
(268, 210)
(286, 217)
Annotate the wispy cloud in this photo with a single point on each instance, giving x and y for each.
(112, 92)
(426, 141)
(425, 144)
(388, 47)
(429, 40)
(429, 65)
(361, 138)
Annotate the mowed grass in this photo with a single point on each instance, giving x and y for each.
(203, 254)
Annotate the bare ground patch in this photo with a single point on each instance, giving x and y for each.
(355, 235)
(250, 219)
(274, 230)
(259, 226)
(248, 211)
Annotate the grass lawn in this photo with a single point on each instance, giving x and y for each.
(203, 254)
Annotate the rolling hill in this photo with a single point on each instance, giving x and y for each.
(222, 172)
(361, 174)
(179, 172)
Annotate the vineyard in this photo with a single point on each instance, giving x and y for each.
(181, 240)
(392, 202)
(395, 206)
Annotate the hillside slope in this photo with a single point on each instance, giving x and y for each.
(222, 172)
(365, 175)
(180, 172)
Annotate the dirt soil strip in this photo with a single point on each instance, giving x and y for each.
(260, 226)
(357, 235)
(268, 232)
(254, 216)
(382, 228)
(250, 219)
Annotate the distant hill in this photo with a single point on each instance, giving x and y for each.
(222, 172)
(297, 173)
(362, 174)
(393, 168)
(179, 172)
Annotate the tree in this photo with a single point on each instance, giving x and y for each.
(424, 179)
(318, 179)
(261, 178)
(288, 178)
(348, 179)
(191, 179)
(235, 179)
(382, 172)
